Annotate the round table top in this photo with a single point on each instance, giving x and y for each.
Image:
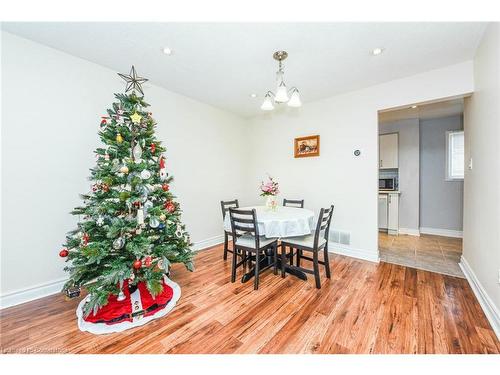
(283, 222)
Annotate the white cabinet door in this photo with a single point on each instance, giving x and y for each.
(393, 214)
(382, 211)
(388, 151)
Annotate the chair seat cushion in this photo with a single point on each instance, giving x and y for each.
(304, 241)
(249, 241)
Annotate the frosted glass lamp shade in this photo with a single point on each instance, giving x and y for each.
(295, 99)
(281, 94)
(268, 104)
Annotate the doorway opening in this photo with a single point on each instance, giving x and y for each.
(421, 179)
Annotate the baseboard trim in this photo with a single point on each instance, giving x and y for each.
(53, 287)
(442, 232)
(209, 242)
(490, 310)
(409, 231)
(354, 253)
(30, 294)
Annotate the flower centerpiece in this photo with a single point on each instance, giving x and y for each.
(270, 190)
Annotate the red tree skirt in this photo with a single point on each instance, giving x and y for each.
(137, 309)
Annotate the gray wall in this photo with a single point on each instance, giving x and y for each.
(408, 169)
(441, 201)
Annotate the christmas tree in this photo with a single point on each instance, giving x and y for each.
(130, 228)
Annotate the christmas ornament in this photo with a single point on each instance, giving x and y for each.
(103, 123)
(165, 187)
(137, 153)
(136, 118)
(121, 295)
(85, 239)
(124, 169)
(169, 206)
(133, 81)
(137, 264)
(140, 217)
(95, 187)
(145, 174)
(153, 148)
(154, 222)
(162, 217)
(63, 253)
(178, 232)
(119, 138)
(148, 205)
(100, 221)
(161, 226)
(137, 204)
(163, 169)
(147, 261)
(118, 243)
(105, 187)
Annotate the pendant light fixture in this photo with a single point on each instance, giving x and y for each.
(283, 95)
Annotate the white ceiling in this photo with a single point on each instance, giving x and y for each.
(424, 112)
(222, 64)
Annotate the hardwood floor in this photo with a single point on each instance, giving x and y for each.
(364, 308)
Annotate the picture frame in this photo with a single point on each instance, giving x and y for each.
(305, 147)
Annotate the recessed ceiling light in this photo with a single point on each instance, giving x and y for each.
(167, 51)
(377, 51)
(253, 95)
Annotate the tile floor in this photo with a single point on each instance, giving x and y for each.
(430, 253)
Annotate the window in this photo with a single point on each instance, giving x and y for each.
(455, 155)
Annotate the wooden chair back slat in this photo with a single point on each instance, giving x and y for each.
(298, 203)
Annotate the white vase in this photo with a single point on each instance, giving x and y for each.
(271, 203)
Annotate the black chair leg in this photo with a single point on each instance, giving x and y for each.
(275, 259)
(283, 260)
(291, 256)
(327, 262)
(233, 268)
(299, 253)
(225, 245)
(316, 269)
(256, 270)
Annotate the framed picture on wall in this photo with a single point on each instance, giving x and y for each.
(306, 146)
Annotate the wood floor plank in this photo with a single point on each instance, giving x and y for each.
(364, 308)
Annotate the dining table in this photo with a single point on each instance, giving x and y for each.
(281, 222)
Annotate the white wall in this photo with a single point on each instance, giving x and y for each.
(408, 161)
(482, 184)
(345, 122)
(51, 105)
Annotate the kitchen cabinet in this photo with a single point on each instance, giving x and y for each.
(382, 211)
(388, 151)
(388, 212)
(393, 213)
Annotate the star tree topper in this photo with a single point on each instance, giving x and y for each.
(133, 81)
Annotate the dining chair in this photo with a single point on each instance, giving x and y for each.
(225, 205)
(313, 243)
(248, 242)
(298, 203)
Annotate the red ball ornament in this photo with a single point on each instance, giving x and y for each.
(147, 261)
(170, 207)
(165, 187)
(85, 239)
(63, 253)
(137, 264)
(103, 122)
(153, 148)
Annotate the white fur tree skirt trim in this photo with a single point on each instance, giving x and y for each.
(102, 328)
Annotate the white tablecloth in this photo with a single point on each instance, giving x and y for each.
(284, 222)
